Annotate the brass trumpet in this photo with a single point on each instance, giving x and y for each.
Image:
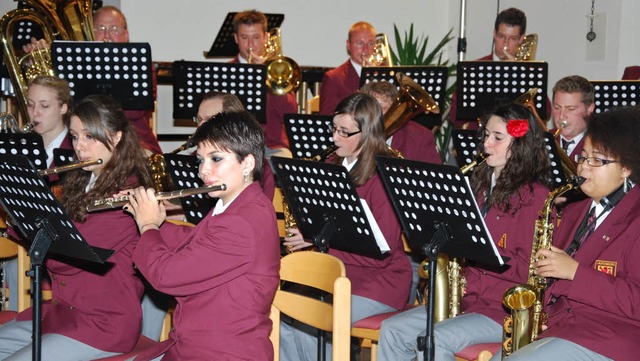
(119, 202)
(68, 167)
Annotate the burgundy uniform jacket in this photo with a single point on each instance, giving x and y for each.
(338, 84)
(223, 274)
(98, 305)
(387, 280)
(513, 236)
(416, 142)
(598, 309)
(631, 73)
(577, 150)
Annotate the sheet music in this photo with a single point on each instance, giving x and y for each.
(377, 233)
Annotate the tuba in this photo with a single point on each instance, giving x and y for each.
(283, 73)
(526, 301)
(9, 124)
(381, 55)
(63, 19)
(411, 101)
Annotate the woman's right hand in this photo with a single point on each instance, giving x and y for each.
(294, 240)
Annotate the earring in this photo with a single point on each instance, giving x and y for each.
(625, 186)
(246, 176)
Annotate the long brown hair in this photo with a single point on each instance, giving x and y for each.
(528, 161)
(102, 116)
(366, 111)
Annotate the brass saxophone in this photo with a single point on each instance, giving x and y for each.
(526, 300)
(450, 283)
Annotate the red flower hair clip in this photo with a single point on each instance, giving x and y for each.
(517, 127)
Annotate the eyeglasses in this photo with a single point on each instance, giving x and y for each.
(593, 161)
(198, 119)
(112, 29)
(361, 44)
(342, 133)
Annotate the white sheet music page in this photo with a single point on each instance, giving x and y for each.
(377, 233)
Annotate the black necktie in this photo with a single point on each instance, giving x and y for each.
(585, 230)
(566, 144)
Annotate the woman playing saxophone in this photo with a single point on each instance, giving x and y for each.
(510, 187)
(593, 299)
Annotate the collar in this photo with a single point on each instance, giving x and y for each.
(242, 60)
(356, 66)
(55, 144)
(346, 164)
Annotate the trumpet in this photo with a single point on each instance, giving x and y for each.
(119, 202)
(68, 167)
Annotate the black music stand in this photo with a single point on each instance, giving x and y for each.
(465, 143)
(224, 46)
(183, 170)
(29, 145)
(63, 156)
(120, 70)
(482, 85)
(432, 78)
(438, 213)
(615, 93)
(324, 201)
(309, 134)
(192, 80)
(559, 177)
(38, 216)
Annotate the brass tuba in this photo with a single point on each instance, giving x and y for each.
(64, 19)
(526, 301)
(411, 101)
(283, 73)
(381, 55)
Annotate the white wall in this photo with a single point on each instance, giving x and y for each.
(314, 32)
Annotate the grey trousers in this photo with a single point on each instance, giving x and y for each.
(15, 345)
(299, 342)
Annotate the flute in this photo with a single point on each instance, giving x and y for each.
(68, 167)
(119, 202)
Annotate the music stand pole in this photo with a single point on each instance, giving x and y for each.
(45, 236)
(462, 40)
(431, 250)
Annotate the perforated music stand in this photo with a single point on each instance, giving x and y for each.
(63, 157)
(433, 79)
(482, 85)
(120, 70)
(37, 215)
(309, 134)
(192, 80)
(29, 145)
(183, 170)
(438, 212)
(326, 206)
(224, 46)
(560, 178)
(465, 143)
(615, 93)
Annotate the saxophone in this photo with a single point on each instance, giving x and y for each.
(450, 282)
(525, 301)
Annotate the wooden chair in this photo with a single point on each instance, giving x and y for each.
(278, 205)
(313, 105)
(368, 330)
(324, 272)
(478, 352)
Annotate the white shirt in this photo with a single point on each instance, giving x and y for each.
(573, 145)
(346, 164)
(356, 66)
(55, 144)
(220, 208)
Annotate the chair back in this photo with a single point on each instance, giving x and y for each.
(323, 272)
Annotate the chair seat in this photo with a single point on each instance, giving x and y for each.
(471, 352)
(142, 344)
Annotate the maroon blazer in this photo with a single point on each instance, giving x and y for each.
(387, 280)
(140, 120)
(98, 305)
(338, 84)
(416, 142)
(631, 73)
(513, 236)
(275, 135)
(598, 309)
(224, 274)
